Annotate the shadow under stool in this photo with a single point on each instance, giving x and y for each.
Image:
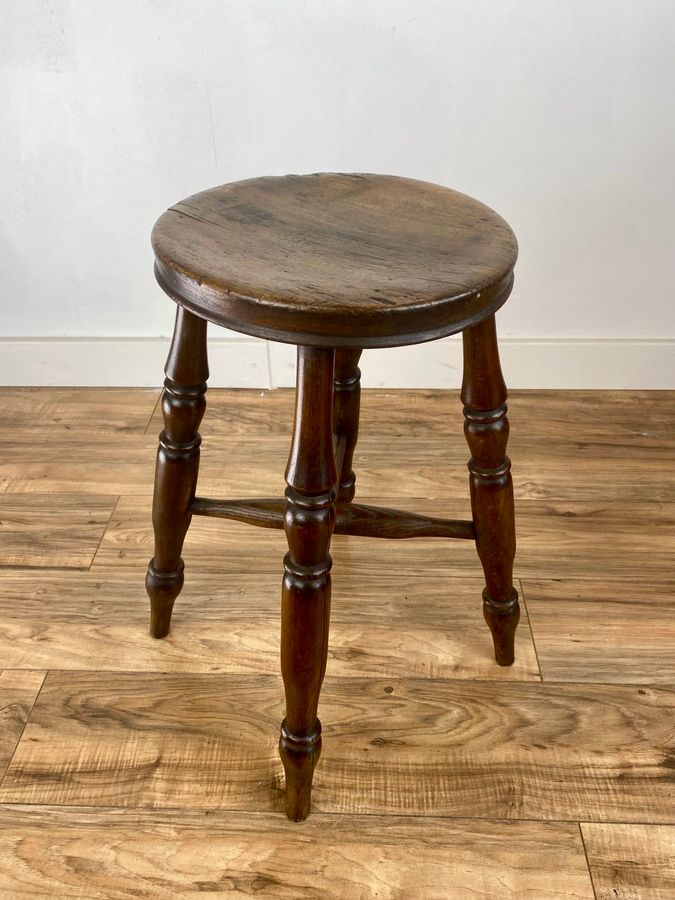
(333, 264)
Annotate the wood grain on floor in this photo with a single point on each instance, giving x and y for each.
(103, 854)
(398, 627)
(50, 531)
(613, 630)
(87, 411)
(18, 692)
(38, 459)
(559, 538)
(508, 750)
(149, 768)
(631, 862)
(640, 419)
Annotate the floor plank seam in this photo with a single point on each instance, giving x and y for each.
(493, 682)
(152, 414)
(23, 730)
(275, 674)
(588, 863)
(529, 625)
(208, 811)
(105, 531)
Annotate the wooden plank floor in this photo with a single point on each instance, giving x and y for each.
(140, 768)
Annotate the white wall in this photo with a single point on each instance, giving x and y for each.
(558, 113)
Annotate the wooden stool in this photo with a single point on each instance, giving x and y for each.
(333, 264)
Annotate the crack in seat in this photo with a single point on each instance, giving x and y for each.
(332, 263)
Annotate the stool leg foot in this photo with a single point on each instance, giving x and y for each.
(346, 408)
(299, 760)
(162, 588)
(305, 604)
(502, 624)
(177, 466)
(487, 429)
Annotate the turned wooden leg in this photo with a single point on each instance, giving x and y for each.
(309, 520)
(346, 406)
(487, 430)
(183, 406)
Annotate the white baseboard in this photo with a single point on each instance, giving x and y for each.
(123, 362)
(247, 362)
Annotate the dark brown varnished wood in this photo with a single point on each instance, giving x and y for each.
(309, 519)
(487, 430)
(333, 263)
(394, 524)
(336, 260)
(264, 512)
(183, 406)
(350, 518)
(346, 407)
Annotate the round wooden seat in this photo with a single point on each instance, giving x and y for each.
(336, 260)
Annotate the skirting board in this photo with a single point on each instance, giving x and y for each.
(250, 363)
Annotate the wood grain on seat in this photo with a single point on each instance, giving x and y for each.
(338, 260)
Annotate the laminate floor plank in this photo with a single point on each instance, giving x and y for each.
(631, 862)
(628, 424)
(636, 420)
(36, 459)
(77, 410)
(384, 626)
(603, 631)
(39, 460)
(571, 539)
(18, 691)
(512, 750)
(50, 530)
(106, 854)
(121, 463)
